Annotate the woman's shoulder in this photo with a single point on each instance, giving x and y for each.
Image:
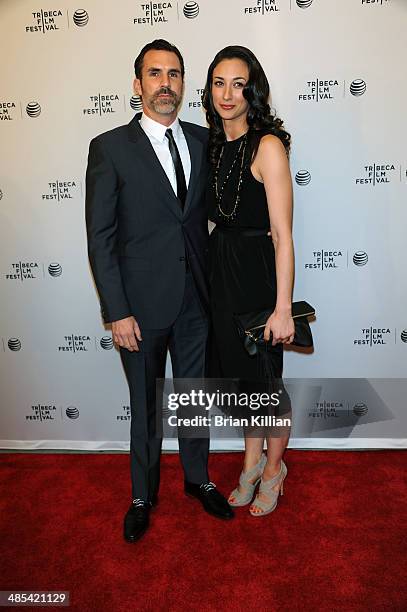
(271, 156)
(270, 144)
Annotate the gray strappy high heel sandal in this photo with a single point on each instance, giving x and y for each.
(242, 499)
(266, 487)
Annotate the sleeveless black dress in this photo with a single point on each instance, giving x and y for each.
(242, 272)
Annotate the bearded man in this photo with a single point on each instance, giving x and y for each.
(147, 242)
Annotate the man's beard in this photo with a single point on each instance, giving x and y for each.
(164, 106)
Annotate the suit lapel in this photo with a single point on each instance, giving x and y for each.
(195, 152)
(152, 163)
(147, 155)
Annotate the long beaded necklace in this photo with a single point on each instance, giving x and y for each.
(219, 192)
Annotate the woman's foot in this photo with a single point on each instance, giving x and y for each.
(270, 487)
(248, 480)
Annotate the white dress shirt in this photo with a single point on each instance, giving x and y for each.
(156, 134)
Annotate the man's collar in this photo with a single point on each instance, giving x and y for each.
(156, 129)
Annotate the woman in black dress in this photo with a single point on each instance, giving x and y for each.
(250, 190)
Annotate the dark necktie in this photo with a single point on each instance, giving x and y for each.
(179, 171)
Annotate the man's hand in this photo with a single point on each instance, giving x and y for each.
(126, 332)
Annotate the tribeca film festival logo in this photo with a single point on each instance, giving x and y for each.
(325, 260)
(124, 415)
(42, 412)
(376, 2)
(263, 7)
(59, 190)
(75, 343)
(326, 410)
(103, 104)
(47, 21)
(373, 336)
(8, 109)
(196, 101)
(152, 13)
(24, 270)
(318, 90)
(325, 90)
(334, 409)
(30, 270)
(375, 174)
(334, 259)
(48, 412)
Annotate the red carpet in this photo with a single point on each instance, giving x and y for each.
(336, 542)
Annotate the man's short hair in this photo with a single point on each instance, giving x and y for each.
(157, 45)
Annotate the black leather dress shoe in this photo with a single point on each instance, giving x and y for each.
(212, 501)
(136, 520)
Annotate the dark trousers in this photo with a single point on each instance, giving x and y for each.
(186, 341)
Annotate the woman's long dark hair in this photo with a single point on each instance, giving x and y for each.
(256, 92)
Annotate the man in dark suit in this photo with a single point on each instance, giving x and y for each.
(147, 242)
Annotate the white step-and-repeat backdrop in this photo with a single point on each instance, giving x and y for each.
(337, 79)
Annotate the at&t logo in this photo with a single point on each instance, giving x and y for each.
(72, 412)
(360, 409)
(360, 258)
(14, 344)
(191, 10)
(80, 18)
(106, 343)
(303, 177)
(358, 87)
(303, 4)
(136, 103)
(33, 110)
(55, 269)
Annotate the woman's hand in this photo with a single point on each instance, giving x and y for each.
(281, 326)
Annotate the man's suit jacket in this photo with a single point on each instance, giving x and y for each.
(138, 235)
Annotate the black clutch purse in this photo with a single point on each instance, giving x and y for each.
(251, 326)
